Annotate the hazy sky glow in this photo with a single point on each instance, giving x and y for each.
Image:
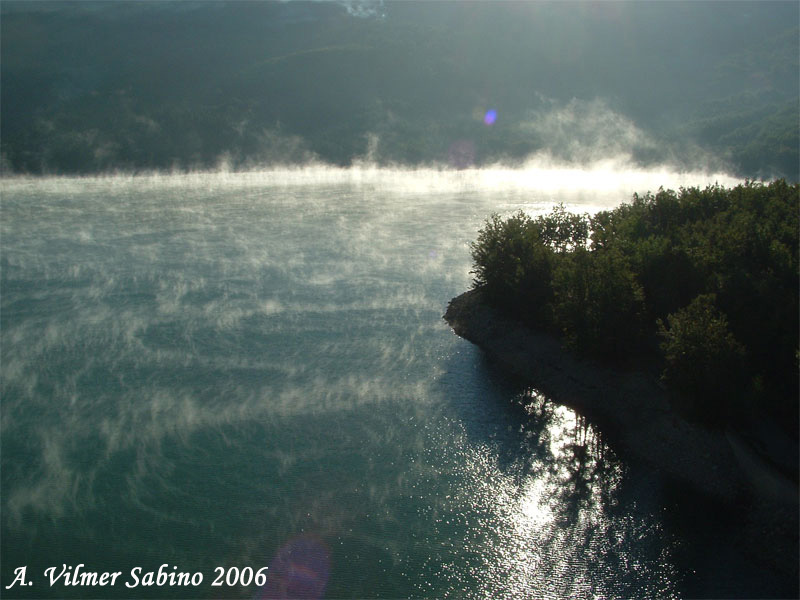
(699, 86)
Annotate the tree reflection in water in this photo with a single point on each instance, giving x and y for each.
(556, 526)
(574, 455)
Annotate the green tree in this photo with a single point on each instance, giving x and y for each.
(703, 361)
(598, 304)
(514, 266)
(563, 230)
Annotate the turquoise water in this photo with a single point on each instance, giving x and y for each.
(203, 371)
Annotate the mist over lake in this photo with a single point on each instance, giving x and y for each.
(199, 370)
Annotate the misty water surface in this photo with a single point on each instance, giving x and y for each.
(199, 369)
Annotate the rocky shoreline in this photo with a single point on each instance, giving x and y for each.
(633, 412)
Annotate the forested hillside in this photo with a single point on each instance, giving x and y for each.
(96, 86)
(702, 282)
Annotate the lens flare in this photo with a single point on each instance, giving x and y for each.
(299, 570)
(490, 117)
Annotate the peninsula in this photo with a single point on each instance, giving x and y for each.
(670, 323)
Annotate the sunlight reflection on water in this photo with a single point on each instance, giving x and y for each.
(549, 525)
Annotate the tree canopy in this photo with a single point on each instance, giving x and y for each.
(704, 281)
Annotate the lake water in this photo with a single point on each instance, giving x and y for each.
(225, 372)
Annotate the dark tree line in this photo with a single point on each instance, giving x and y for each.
(704, 282)
(102, 86)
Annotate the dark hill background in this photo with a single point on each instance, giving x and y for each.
(96, 86)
